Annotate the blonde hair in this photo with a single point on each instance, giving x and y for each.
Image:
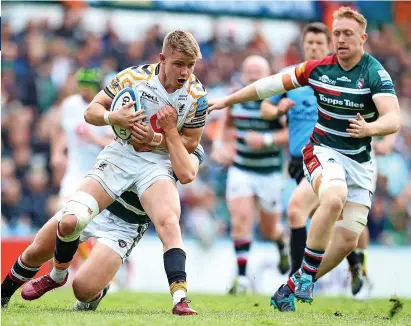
(183, 42)
(348, 12)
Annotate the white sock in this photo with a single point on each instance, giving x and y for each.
(178, 295)
(58, 275)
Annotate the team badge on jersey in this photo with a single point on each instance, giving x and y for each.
(122, 243)
(360, 83)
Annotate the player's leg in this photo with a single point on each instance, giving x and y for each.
(328, 179)
(91, 282)
(116, 239)
(30, 261)
(268, 189)
(80, 209)
(241, 211)
(303, 201)
(241, 205)
(345, 236)
(271, 229)
(162, 204)
(357, 261)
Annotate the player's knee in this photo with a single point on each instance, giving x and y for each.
(75, 216)
(239, 225)
(169, 224)
(295, 214)
(334, 202)
(83, 290)
(332, 187)
(67, 225)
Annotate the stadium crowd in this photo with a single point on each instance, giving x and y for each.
(38, 66)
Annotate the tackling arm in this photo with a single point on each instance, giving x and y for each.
(261, 89)
(185, 166)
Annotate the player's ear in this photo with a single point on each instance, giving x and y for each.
(162, 57)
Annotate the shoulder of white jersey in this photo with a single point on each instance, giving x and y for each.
(131, 77)
(195, 88)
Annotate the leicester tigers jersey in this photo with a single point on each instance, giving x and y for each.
(190, 101)
(340, 96)
(247, 117)
(128, 206)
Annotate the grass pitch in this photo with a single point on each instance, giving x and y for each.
(130, 308)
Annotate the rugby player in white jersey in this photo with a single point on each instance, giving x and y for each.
(122, 166)
(82, 141)
(337, 160)
(254, 181)
(117, 230)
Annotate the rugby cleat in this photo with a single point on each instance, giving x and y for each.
(283, 299)
(90, 306)
(304, 288)
(37, 287)
(284, 264)
(357, 278)
(183, 309)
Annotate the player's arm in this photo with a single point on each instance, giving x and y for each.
(389, 120)
(275, 106)
(264, 88)
(98, 111)
(193, 125)
(386, 102)
(183, 164)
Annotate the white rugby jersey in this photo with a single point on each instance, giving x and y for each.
(82, 153)
(190, 101)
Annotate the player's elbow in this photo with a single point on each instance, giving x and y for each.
(188, 176)
(191, 145)
(87, 114)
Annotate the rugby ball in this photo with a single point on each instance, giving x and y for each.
(125, 96)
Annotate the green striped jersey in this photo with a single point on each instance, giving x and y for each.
(128, 206)
(247, 117)
(340, 96)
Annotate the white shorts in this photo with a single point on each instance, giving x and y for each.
(118, 169)
(114, 232)
(266, 187)
(359, 176)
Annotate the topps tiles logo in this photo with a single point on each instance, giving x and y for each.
(343, 102)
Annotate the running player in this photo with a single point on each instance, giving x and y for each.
(254, 180)
(117, 229)
(122, 166)
(356, 100)
(300, 120)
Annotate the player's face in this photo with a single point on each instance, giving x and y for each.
(348, 37)
(178, 69)
(253, 72)
(87, 93)
(315, 46)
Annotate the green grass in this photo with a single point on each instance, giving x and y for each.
(130, 308)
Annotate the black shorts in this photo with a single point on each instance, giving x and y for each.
(295, 169)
